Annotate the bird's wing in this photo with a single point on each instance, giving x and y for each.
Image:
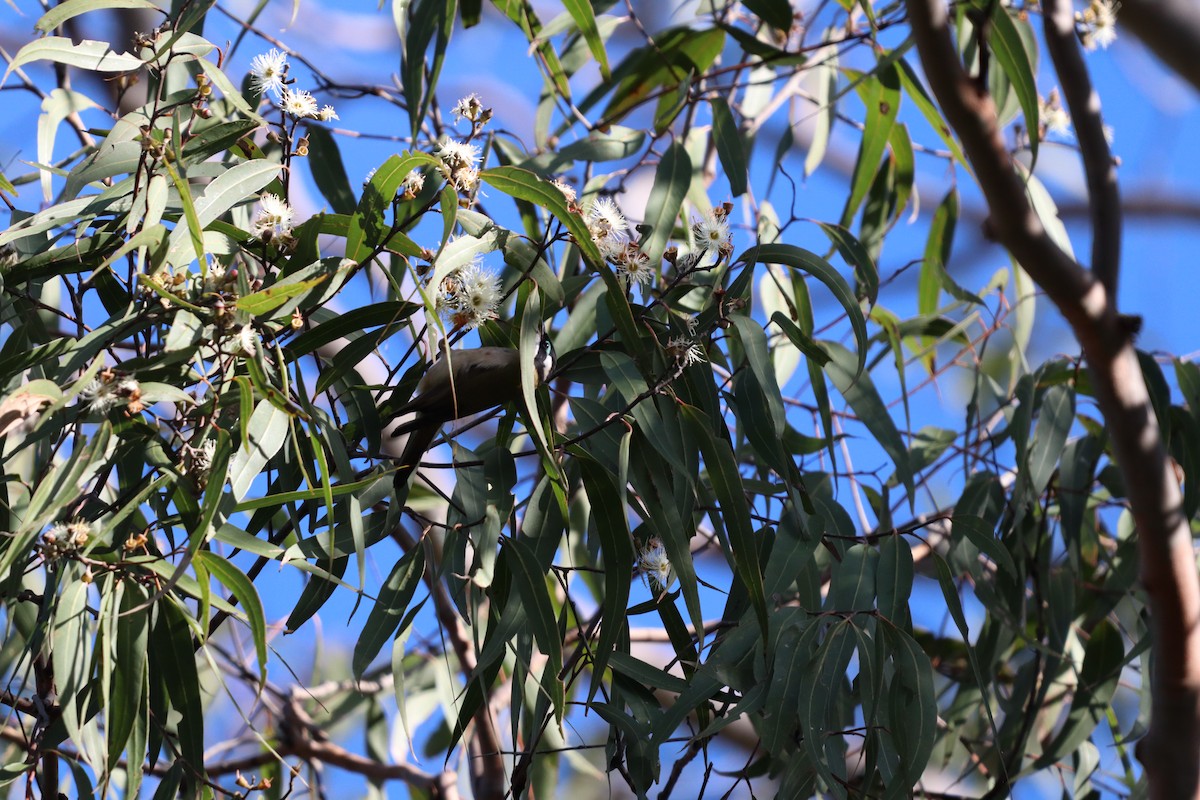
(483, 377)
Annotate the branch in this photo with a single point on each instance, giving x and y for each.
(1104, 198)
(1170, 750)
(1170, 28)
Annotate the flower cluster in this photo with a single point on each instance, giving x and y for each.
(471, 109)
(1052, 117)
(1097, 24)
(611, 234)
(469, 296)
(110, 390)
(273, 221)
(685, 350)
(197, 462)
(712, 233)
(268, 74)
(459, 164)
(655, 567)
(66, 537)
(413, 183)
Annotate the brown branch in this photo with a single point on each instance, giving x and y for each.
(1170, 28)
(1104, 198)
(487, 761)
(306, 742)
(1170, 750)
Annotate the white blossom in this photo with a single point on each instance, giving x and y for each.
(327, 113)
(685, 350)
(565, 188)
(1052, 117)
(299, 103)
(471, 109)
(247, 340)
(267, 71)
(479, 290)
(1098, 24)
(608, 227)
(655, 567)
(414, 182)
(633, 265)
(712, 233)
(274, 218)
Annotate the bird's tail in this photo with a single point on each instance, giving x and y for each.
(419, 439)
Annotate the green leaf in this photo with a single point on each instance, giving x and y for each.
(87, 54)
(530, 582)
(820, 689)
(671, 182)
(243, 590)
(880, 93)
(913, 709)
(70, 9)
(616, 546)
(173, 662)
(776, 13)
(979, 533)
(585, 18)
(525, 185)
(235, 185)
(797, 337)
(863, 398)
(731, 147)
(71, 643)
(852, 582)
(676, 53)
(328, 171)
(390, 607)
(264, 301)
(855, 254)
(1009, 47)
(345, 324)
(727, 485)
(894, 578)
(367, 229)
(1050, 435)
(1091, 702)
(799, 258)
(266, 433)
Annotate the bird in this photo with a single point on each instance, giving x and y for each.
(462, 383)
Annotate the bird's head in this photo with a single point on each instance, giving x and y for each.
(543, 360)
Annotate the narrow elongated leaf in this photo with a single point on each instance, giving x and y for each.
(87, 54)
(1090, 704)
(1050, 435)
(1006, 42)
(671, 182)
(727, 485)
(530, 583)
(860, 392)
(173, 662)
(616, 546)
(266, 431)
(819, 268)
(880, 93)
(585, 19)
(525, 185)
(913, 710)
(390, 607)
(328, 171)
(247, 596)
(979, 533)
(731, 148)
